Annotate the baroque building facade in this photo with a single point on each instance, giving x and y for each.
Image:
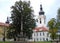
(40, 33)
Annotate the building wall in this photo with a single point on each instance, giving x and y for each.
(2, 29)
(40, 36)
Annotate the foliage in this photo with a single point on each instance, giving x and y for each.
(52, 24)
(21, 12)
(58, 21)
(42, 42)
(58, 18)
(11, 33)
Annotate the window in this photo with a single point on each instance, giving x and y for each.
(46, 39)
(34, 39)
(40, 20)
(37, 33)
(43, 33)
(37, 39)
(34, 34)
(40, 34)
(47, 34)
(43, 39)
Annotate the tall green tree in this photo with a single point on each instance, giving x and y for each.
(22, 19)
(52, 24)
(58, 20)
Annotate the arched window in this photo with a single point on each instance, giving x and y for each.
(40, 20)
(40, 34)
(43, 33)
(37, 33)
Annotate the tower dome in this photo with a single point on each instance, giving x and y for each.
(41, 10)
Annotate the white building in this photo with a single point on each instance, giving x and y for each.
(40, 33)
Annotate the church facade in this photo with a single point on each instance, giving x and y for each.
(40, 33)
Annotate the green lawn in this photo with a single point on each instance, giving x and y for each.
(42, 42)
(4, 42)
(32, 42)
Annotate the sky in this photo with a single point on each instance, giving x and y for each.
(50, 8)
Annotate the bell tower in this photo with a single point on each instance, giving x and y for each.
(41, 17)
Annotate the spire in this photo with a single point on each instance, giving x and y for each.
(7, 21)
(41, 7)
(41, 10)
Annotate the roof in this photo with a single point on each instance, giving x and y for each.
(4, 24)
(37, 29)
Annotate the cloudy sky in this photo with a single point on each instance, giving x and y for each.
(50, 8)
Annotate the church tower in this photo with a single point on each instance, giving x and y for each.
(41, 17)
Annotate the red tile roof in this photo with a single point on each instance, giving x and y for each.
(41, 29)
(4, 24)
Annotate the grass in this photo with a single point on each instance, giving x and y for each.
(32, 42)
(5, 42)
(43, 42)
